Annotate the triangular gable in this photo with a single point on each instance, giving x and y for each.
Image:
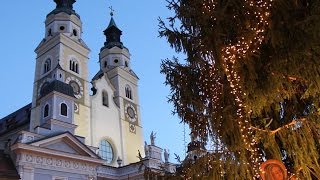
(65, 142)
(102, 76)
(61, 145)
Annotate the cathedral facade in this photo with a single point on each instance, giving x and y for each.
(76, 127)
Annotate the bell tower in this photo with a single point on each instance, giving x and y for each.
(63, 47)
(115, 61)
(117, 82)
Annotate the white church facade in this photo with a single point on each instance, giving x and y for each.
(78, 128)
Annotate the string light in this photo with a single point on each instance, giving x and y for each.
(204, 112)
(235, 52)
(230, 55)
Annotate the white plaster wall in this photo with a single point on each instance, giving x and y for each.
(131, 142)
(106, 120)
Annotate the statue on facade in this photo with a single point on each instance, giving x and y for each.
(152, 137)
(139, 155)
(146, 149)
(166, 155)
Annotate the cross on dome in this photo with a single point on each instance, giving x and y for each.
(111, 11)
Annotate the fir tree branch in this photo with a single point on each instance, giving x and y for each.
(258, 129)
(292, 123)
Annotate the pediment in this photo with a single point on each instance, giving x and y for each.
(66, 143)
(61, 146)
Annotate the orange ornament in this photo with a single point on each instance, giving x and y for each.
(273, 170)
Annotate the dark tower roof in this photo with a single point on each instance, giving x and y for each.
(57, 86)
(112, 23)
(64, 6)
(195, 145)
(113, 34)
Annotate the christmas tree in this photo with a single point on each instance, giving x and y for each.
(250, 84)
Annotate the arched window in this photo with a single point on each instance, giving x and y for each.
(128, 92)
(75, 32)
(77, 69)
(105, 64)
(105, 99)
(47, 66)
(46, 111)
(106, 151)
(64, 109)
(73, 66)
(50, 32)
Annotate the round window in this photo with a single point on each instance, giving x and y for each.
(116, 61)
(61, 28)
(106, 151)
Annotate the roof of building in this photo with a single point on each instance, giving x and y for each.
(15, 119)
(65, 6)
(195, 145)
(112, 23)
(7, 168)
(70, 135)
(113, 36)
(99, 75)
(57, 86)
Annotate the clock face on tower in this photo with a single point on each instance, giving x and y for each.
(131, 113)
(76, 86)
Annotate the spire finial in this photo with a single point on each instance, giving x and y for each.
(111, 11)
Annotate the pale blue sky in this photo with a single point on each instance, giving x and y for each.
(22, 29)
